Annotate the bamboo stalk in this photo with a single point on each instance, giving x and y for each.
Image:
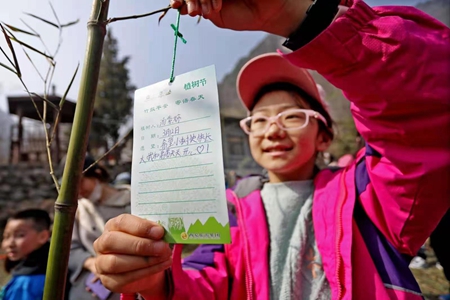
(67, 202)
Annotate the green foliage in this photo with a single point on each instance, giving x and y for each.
(114, 100)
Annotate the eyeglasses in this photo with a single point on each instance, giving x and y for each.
(293, 119)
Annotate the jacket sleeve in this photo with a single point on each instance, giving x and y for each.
(78, 254)
(201, 276)
(393, 64)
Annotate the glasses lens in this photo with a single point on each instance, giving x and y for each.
(293, 119)
(256, 124)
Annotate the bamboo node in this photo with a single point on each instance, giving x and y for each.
(65, 208)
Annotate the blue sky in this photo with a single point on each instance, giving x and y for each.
(148, 45)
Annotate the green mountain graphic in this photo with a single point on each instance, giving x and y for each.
(209, 232)
(175, 229)
(212, 232)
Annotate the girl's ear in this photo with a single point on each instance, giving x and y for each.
(323, 141)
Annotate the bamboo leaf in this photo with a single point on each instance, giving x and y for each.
(54, 13)
(8, 41)
(43, 20)
(10, 33)
(63, 99)
(8, 68)
(70, 23)
(31, 48)
(31, 29)
(45, 100)
(32, 63)
(19, 30)
(7, 57)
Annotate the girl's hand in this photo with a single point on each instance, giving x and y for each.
(132, 257)
(279, 17)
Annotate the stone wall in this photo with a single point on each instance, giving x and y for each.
(23, 186)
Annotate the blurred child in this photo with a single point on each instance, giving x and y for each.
(26, 243)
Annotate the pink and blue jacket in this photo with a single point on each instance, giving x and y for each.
(370, 218)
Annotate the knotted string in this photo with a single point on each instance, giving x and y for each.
(177, 35)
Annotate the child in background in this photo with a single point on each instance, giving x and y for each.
(26, 243)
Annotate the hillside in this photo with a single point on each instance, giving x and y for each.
(231, 107)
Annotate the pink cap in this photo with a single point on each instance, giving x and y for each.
(271, 68)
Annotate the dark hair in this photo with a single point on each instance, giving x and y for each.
(314, 103)
(95, 171)
(40, 218)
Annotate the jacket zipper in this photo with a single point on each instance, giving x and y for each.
(248, 271)
(342, 197)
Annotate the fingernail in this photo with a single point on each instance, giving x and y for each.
(215, 5)
(206, 8)
(159, 247)
(156, 232)
(191, 7)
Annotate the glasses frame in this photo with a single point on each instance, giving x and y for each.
(276, 119)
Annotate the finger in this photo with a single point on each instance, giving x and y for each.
(216, 5)
(193, 7)
(205, 7)
(95, 279)
(135, 226)
(116, 264)
(117, 282)
(176, 3)
(181, 7)
(122, 243)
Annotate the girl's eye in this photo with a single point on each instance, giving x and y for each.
(292, 116)
(258, 120)
(295, 116)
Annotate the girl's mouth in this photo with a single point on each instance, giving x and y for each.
(277, 150)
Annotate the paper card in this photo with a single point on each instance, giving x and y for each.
(177, 170)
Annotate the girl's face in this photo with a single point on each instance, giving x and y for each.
(87, 186)
(286, 155)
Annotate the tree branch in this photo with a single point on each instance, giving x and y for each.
(124, 138)
(162, 10)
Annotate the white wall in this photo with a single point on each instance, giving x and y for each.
(5, 131)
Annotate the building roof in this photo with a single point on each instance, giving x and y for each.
(24, 103)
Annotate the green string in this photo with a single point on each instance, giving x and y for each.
(177, 35)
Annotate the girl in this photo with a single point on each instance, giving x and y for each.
(310, 234)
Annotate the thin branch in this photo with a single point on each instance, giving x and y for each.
(49, 154)
(50, 161)
(54, 14)
(38, 35)
(32, 63)
(109, 151)
(31, 97)
(49, 85)
(61, 103)
(45, 100)
(162, 10)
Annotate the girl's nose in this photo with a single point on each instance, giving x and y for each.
(275, 131)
